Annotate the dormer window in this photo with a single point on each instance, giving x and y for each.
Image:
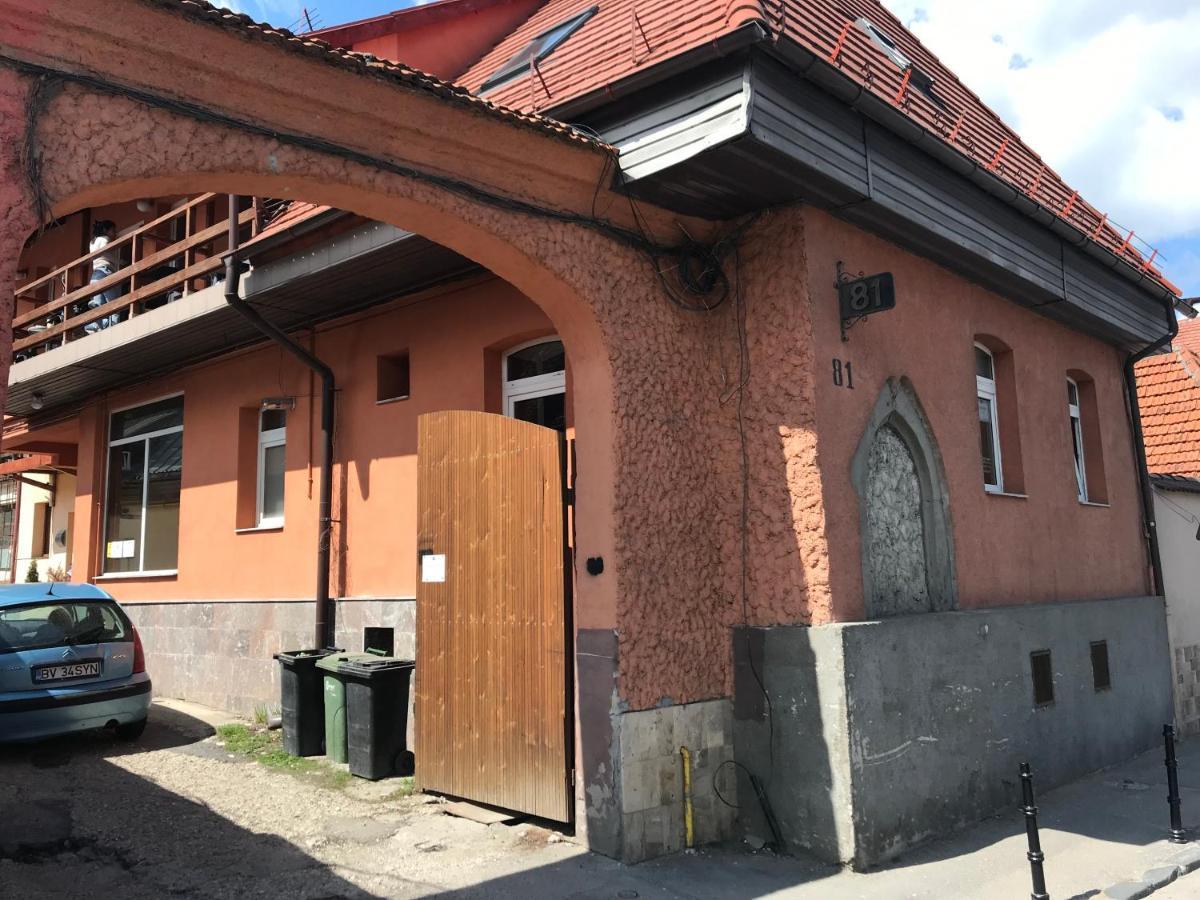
(537, 50)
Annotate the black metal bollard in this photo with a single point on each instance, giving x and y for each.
(1178, 834)
(1035, 854)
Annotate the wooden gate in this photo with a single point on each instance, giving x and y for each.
(494, 718)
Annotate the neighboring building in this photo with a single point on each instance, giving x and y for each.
(878, 564)
(1169, 395)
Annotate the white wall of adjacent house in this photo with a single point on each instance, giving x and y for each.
(44, 525)
(1178, 516)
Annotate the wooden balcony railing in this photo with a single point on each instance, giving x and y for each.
(159, 262)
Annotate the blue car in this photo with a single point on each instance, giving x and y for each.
(70, 660)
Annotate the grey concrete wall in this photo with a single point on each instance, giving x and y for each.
(221, 653)
(939, 712)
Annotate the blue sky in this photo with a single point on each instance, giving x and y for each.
(1107, 92)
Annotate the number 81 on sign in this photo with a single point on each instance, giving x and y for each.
(865, 296)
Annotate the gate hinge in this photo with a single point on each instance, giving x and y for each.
(571, 777)
(569, 496)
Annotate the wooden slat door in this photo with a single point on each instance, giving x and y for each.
(493, 718)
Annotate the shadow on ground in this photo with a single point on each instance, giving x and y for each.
(73, 823)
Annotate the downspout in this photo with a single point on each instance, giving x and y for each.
(1139, 443)
(233, 277)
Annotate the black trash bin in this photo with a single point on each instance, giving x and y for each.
(302, 701)
(377, 716)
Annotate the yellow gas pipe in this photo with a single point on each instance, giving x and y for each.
(689, 833)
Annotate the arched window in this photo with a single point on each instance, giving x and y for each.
(535, 383)
(989, 419)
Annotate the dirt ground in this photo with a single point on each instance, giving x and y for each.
(175, 814)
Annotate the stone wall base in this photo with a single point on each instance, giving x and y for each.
(892, 732)
(652, 800)
(220, 653)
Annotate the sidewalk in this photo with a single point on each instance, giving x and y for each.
(1103, 830)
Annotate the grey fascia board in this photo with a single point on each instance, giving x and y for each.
(810, 66)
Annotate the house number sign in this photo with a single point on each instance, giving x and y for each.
(863, 296)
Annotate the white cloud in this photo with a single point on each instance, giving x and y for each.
(1107, 92)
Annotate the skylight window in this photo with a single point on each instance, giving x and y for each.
(918, 79)
(537, 50)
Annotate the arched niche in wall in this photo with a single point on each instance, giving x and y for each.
(904, 510)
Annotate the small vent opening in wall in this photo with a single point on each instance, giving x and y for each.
(1043, 677)
(1101, 678)
(379, 640)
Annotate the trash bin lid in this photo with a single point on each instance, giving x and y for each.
(371, 666)
(334, 661)
(292, 656)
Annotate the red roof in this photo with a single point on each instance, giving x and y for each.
(626, 37)
(1169, 397)
(1189, 336)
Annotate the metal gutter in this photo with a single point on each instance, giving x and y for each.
(805, 63)
(322, 633)
(743, 36)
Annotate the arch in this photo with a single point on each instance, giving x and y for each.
(898, 412)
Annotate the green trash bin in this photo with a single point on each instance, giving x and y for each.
(335, 702)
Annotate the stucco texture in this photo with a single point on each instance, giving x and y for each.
(659, 460)
(1044, 545)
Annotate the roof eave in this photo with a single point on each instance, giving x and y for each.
(745, 35)
(846, 89)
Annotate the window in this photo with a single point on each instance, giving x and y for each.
(41, 530)
(145, 468)
(1087, 449)
(272, 450)
(537, 50)
(8, 519)
(57, 623)
(391, 378)
(1043, 677)
(1076, 422)
(989, 423)
(1101, 678)
(535, 383)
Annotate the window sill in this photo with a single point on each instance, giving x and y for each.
(129, 576)
(277, 526)
(1006, 494)
(390, 400)
(1095, 504)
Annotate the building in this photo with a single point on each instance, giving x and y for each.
(877, 553)
(1169, 395)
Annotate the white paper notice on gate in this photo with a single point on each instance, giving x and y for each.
(433, 568)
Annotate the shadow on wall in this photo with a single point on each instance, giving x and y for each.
(88, 820)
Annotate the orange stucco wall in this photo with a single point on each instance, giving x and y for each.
(1041, 547)
(449, 335)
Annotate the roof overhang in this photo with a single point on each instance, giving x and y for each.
(358, 269)
(1182, 483)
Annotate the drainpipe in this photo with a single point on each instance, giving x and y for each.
(233, 276)
(1139, 443)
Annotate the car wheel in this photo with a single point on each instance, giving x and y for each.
(131, 731)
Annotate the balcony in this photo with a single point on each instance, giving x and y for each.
(160, 262)
(307, 266)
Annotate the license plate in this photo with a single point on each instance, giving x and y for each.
(66, 671)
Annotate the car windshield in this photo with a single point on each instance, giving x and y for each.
(57, 624)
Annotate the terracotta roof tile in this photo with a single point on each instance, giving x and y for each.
(625, 37)
(365, 64)
(1189, 335)
(1169, 397)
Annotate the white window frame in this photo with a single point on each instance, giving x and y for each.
(275, 437)
(1078, 459)
(140, 571)
(530, 388)
(985, 389)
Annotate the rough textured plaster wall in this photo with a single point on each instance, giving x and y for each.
(665, 494)
(16, 215)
